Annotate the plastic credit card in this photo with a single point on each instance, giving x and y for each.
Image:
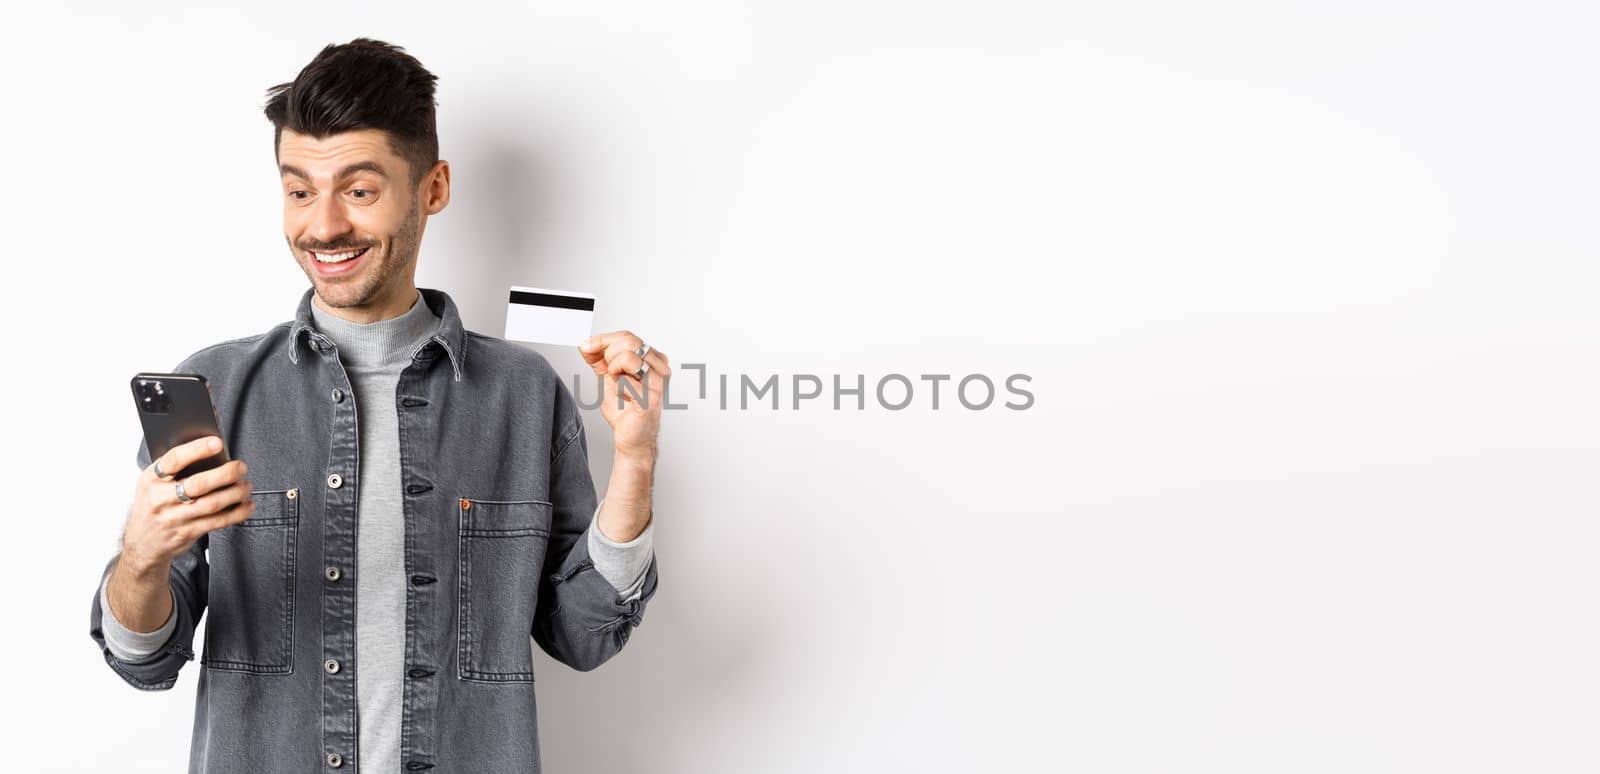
(549, 316)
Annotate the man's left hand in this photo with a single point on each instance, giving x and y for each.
(614, 358)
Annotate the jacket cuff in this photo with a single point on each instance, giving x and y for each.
(157, 671)
(623, 565)
(128, 644)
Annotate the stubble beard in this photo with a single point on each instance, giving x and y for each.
(376, 279)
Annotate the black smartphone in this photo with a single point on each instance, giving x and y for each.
(176, 409)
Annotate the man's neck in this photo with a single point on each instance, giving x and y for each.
(381, 342)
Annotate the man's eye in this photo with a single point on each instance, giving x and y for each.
(295, 194)
(363, 191)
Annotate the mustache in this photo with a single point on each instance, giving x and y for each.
(331, 248)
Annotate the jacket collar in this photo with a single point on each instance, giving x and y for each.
(451, 335)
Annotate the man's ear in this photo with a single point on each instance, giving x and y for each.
(435, 191)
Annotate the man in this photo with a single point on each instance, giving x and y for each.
(408, 502)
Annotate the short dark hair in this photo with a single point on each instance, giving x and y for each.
(363, 84)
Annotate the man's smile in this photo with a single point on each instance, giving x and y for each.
(334, 264)
(336, 257)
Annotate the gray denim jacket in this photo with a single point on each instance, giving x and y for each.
(497, 495)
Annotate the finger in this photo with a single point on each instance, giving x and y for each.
(658, 362)
(658, 367)
(597, 350)
(651, 382)
(623, 341)
(629, 386)
(207, 481)
(628, 351)
(616, 349)
(651, 390)
(167, 500)
(215, 502)
(181, 456)
(656, 383)
(202, 483)
(200, 503)
(624, 362)
(197, 527)
(656, 358)
(596, 346)
(592, 344)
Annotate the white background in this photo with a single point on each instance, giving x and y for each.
(1306, 292)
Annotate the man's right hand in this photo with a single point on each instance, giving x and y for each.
(161, 527)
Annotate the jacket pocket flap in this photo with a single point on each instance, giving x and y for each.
(504, 518)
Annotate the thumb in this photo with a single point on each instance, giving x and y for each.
(594, 354)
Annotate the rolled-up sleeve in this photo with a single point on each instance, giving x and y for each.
(187, 578)
(582, 619)
(126, 643)
(623, 563)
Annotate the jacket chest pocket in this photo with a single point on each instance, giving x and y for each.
(502, 548)
(250, 602)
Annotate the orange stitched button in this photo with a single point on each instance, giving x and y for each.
(465, 503)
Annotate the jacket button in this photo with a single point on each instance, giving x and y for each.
(338, 395)
(330, 666)
(335, 760)
(292, 493)
(334, 480)
(332, 573)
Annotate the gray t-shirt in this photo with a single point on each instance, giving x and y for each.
(373, 355)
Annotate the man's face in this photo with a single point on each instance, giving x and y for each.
(349, 193)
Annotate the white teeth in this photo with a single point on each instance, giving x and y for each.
(335, 257)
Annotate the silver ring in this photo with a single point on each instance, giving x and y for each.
(644, 349)
(643, 369)
(159, 474)
(182, 497)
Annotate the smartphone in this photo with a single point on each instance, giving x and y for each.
(176, 409)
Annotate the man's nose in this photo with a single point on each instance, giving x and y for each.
(329, 221)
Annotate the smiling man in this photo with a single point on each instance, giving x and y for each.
(418, 507)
